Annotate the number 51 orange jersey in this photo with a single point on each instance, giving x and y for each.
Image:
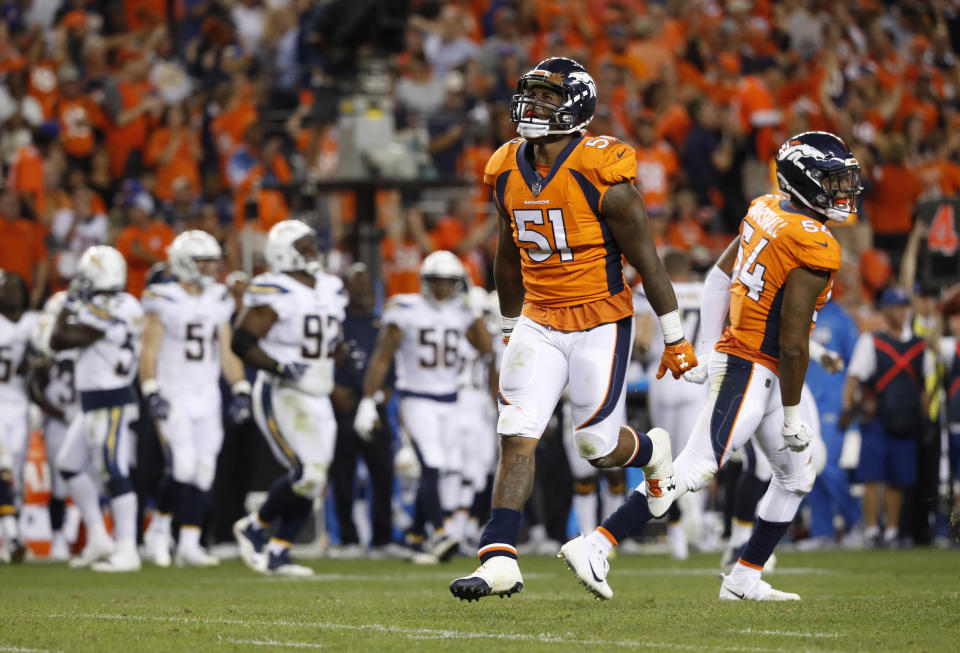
(775, 239)
(572, 267)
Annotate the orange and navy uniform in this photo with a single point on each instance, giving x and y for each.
(572, 267)
(775, 239)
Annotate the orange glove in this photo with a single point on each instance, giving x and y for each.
(678, 359)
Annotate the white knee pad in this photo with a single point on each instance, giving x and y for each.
(513, 421)
(591, 445)
(799, 479)
(184, 466)
(205, 470)
(312, 481)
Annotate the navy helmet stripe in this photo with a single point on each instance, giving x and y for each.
(618, 372)
(729, 401)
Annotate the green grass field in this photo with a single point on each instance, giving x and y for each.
(852, 601)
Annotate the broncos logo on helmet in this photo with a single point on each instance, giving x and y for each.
(818, 170)
(571, 82)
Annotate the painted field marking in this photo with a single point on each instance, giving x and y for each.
(411, 633)
(272, 642)
(785, 633)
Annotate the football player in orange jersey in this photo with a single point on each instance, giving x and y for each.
(774, 277)
(569, 214)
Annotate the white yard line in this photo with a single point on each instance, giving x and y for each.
(785, 633)
(701, 571)
(272, 642)
(413, 633)
(19, 649)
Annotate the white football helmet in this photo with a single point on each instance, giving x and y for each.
(188, 248)
(104, 268)
(280, 252)
(442, 265)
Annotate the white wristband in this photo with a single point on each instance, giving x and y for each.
(241, 387)
(671, 327)
(791, 414)
(507, 324)
(149, 387)
(816, 350)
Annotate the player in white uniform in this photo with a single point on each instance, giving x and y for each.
(186, 341)
(289, 329)
(422, 333)
(53, 388)
(105, 324)
(16, 324)
(675, 406)
(477, 423)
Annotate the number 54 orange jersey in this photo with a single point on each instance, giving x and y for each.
(572, 267)
(775, 239)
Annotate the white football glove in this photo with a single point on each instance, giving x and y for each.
(697, 374)
(366, 418)
(796, 436)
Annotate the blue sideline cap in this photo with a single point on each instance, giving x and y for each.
(894, 296)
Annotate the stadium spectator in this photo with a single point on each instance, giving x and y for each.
(144, 242)
(22, 247)
(174, 152)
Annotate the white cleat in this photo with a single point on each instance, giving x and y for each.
(588, 564)
(498, 576)
(658, 474)
(95, 550)
(252, 542)
(280, 565)
(59, 549)
(196, 558)
(760, 590)
(120, 561)
(156, 548)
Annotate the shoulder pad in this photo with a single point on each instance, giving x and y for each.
(607, 160)
(503, 159)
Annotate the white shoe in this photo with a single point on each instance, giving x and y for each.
(498, 576)
(252, 542)
(118, 562)
(588, 564)
(93, 551)
(156, 548)
(760, 590)
(196, 558)
(391, 550)
(280, 565)
(658, 474)
(59, 549)
(445, 547)
(677, 542)
(547, 548)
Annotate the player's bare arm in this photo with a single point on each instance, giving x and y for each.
(152, 337)
(230, 363)
(253, 324)
(68, 333)
(729, 257)
(388, 341)
(800, 294)
(626, 216)
(506, 269)
(36, 383)
(623, 210)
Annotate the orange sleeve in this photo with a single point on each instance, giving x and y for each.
(606, 165)
(123, 243)
(281, 169)
(813, 248)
